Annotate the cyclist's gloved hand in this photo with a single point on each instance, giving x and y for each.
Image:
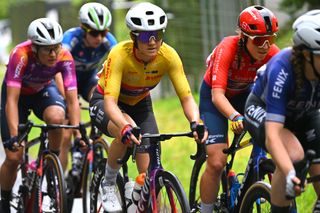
(290, 192)
(11, 144)
(237, 124)
(80, 143)
(127, 136)
(199, 131)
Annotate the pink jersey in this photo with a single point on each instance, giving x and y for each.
(25, 72)
(222, 67)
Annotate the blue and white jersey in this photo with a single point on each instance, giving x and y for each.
(86, 59)
(275, 87)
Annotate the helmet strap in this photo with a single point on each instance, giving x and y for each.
(134, 39)
(35, 50)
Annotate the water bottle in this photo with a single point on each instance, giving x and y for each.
(143, 196)
(131, 207)
(77, 161)
(234, 186)
(137, 188)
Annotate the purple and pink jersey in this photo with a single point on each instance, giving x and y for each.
(25, 72)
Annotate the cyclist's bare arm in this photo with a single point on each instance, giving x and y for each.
(73, 109)
(12, 114)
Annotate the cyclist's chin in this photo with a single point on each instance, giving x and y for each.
(51, 63)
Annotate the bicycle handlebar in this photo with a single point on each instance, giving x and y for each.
(235, 143)
(153, 138)
(302, 168)
(24, 129)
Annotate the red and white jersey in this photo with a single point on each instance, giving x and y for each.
(223, 71)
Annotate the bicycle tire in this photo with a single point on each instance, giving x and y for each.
(95, 202)
(194, 191)
(178, 202)
(100, 151)
(55, 191)
(257, 198)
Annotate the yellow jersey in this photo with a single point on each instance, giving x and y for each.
(129, 80)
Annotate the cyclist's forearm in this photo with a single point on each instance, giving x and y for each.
(222, 103)
(12, 117)
(190, 108)
(73, 110)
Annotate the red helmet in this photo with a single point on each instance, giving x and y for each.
(257, 20)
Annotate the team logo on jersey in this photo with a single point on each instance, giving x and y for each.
(19, 67)
(311, 135)
(152, 72)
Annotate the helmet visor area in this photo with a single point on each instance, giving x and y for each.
(261, 40)
(147, 36)
(94, 33)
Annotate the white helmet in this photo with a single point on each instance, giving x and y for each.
(95, 15)
(45, 31)
(306, 30)
(146, 17)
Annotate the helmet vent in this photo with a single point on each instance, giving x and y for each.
(91, 18)
(150, 22)
(162, 19)
(149, 13)
(40, 33)
(253, 26)
(136, 21)
(268, 23)
(259, 7)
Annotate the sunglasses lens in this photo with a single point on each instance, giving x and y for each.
(145, 36)
(95, 33)
(260, 40)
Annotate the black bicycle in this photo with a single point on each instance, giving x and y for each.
(96, 151)
(261, 192)
(42, 187)
(162, 191)
(258, 168)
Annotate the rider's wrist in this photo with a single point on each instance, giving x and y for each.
(234, 115)
(126, 128)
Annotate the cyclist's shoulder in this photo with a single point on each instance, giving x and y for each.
(65, 57)
(22, 48)
(226, 47)
(73, 32)
(169, 53)
(111, 39)
(72, 36)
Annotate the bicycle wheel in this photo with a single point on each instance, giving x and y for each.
(93, 157)
(194, 192)
(50, 192)
(96, 201)
(170, 194)
(257, 198)
(20, 201)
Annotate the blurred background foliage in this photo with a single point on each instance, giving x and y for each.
(194, 27)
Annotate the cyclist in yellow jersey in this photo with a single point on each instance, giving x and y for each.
(122, 99)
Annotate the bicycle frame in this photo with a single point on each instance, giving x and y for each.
(30, 178)
(251, 174)
(155, 167)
